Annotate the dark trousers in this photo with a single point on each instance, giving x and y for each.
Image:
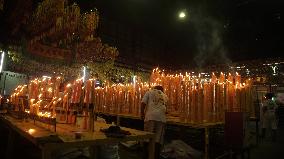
(146, 152)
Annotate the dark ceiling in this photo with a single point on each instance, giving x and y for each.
(214, 31)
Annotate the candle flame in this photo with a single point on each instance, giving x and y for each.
(49, 90)
(31, 131)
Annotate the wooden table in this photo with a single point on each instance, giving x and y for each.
(65, 133)
(205, 126)
(176, 121)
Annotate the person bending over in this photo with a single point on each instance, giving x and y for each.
(153, 112)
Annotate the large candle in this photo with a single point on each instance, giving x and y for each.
(194, 104)
(87, 91)
(73, 95)
(200, 105)
(214, 104)
(206, 102)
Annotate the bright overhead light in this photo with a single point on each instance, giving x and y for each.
(84, 74)
(2, 61)
(182, 15)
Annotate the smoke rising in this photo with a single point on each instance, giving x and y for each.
(210, 47)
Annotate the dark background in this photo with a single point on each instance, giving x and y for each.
(214, 31)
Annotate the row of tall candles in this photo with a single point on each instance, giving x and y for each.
(193, 99)
(43, 93)
(112, 98)
(197, 100)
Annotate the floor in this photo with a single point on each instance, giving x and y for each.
(268, 149)
(265, 149)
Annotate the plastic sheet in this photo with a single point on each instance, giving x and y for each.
(177, 149)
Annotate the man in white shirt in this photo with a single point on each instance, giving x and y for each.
(153, 112)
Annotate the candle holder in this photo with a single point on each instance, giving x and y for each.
(16, 114)
(42, 119)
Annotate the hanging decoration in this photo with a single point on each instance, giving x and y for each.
(95, 50)
(57, 24)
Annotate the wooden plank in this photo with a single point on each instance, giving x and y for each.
(35, 131)
(172, 120)
(66, 132)
(26, 128)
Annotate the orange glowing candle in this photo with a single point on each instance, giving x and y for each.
(87, 91)
(73, 95)
(193, 104)
(206, 102)
(200, 105)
